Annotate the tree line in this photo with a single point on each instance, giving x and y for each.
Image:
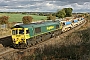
(65, 12)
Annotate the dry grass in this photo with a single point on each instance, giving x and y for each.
(1, 45)
(4, 32)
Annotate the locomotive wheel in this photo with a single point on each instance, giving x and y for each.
(29, 45)
(24, 46)
(43, 37)
(33, 43)
(36, 42)
(15, 46)
(52, 34)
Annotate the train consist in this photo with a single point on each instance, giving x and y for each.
(72, 23)
(25, 35)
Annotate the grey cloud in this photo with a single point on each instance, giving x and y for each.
(75, 1)
(14, 7)
(59, 3)
(38, 4)
(70, 1)
(82, 10)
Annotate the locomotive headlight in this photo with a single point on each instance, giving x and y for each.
(14, 39)
(22, 39)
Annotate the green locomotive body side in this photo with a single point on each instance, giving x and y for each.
(41, 28)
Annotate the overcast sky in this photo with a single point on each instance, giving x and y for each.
(43, 5)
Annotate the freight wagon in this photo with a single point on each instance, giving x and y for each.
(67, 25)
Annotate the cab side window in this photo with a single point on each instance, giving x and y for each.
(38, 30)
(13, 32)
(27, 31)
(57, 26)
(21, 31)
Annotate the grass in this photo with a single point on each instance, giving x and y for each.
(88, 18)
(18, 17)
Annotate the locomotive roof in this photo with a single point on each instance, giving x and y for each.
(37, 24)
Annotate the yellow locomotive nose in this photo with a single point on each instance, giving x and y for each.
(18, 39)
(19, 36)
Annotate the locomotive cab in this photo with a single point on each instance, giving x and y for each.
(19, 36)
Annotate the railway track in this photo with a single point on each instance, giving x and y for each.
(8, 50)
